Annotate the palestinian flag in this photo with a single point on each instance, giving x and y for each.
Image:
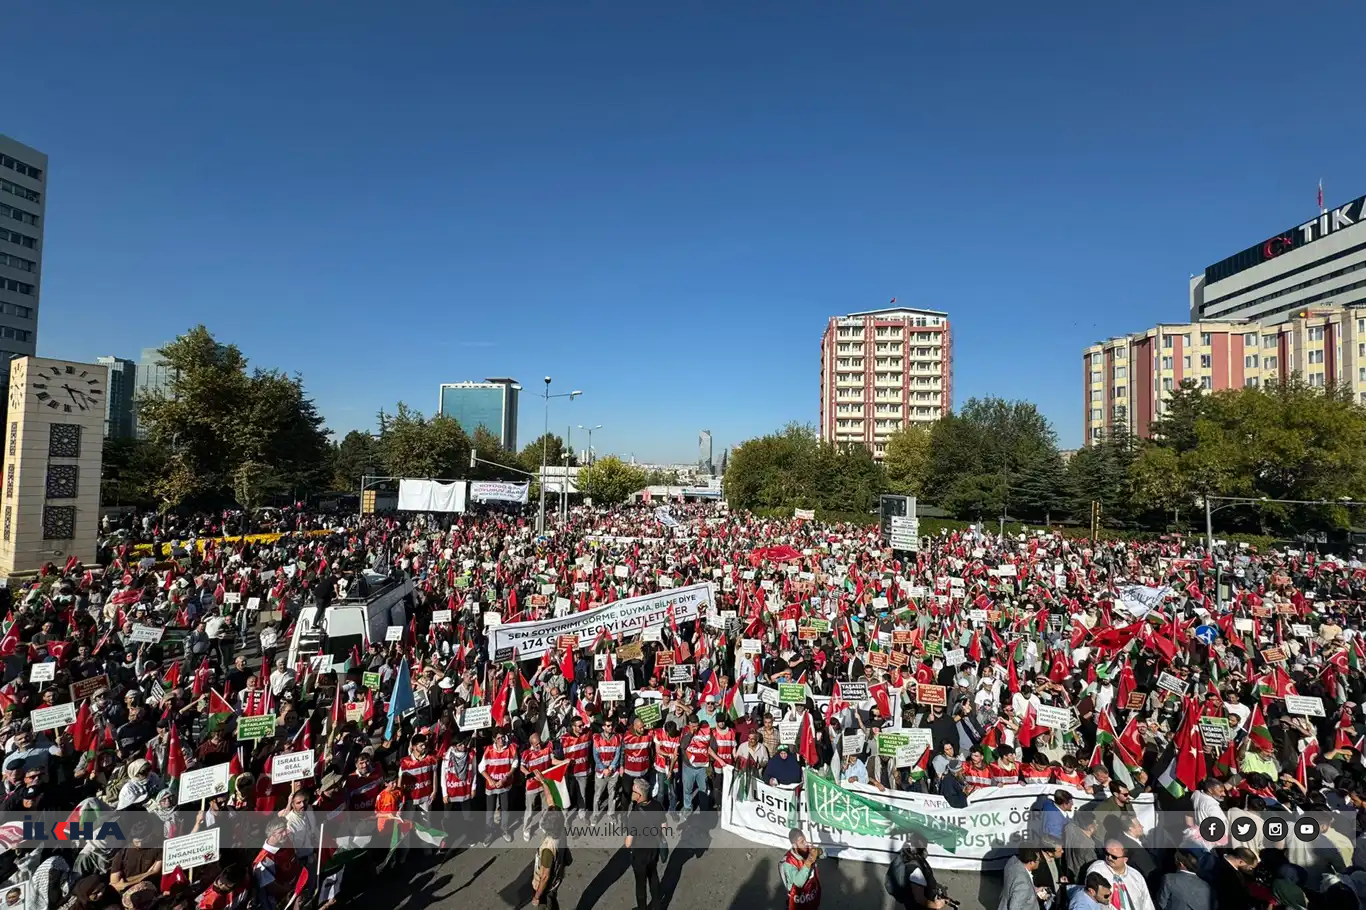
(1258, 733)
(1227, 762)
(733, 703)
(1105, 729)
(556, 788)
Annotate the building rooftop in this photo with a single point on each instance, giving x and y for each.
(915, 311)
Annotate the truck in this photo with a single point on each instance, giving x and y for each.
(353, 623)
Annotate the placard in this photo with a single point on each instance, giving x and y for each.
(1054, 718)
(663, 658)
(612, 690)
(441, 616)
(769, 696)
(355, 712)
(146, 634)
(232, 597)
(567, 642)
(53, 718)
(631, 651)
(977, 615)
(853, 690)
(254, 604)
(43, 672)
(1300, 630)
(85, 688)
(955, 657)
(370, 681)
(600, 662)
(1215, 733)
(1244, 624)
(649, 714)
(1137, 699)
(880, 604)
(479, 717)
(751, 646)
(931, 695)
(1273, 655)
(680, 674)
(906, 756)
(902, 636)
(877, 659)
(1174, 684)
(259, 726)
(652, 633)
(393, 633)
(821, 626)
(621, 572)
(1295, 704)
(898, 658)
(203, 783)
(888, 741)
(191, 850)
(788, 731)
(792, 693)
(852, 743)
(1005, 571)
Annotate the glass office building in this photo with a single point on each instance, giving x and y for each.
(491, 404)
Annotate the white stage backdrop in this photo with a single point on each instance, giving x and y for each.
(431, 496)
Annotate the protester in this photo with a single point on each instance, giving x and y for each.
(801, 879)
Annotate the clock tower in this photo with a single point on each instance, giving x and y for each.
(50, 506)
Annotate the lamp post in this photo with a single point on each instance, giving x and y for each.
(545, 441)
(590, 439)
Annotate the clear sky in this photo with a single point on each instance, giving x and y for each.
(661, 204)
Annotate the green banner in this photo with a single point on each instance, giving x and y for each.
(370, 681)
(820, 625)
(792, 693)
(888, 743)
(259, 726)
(649, 714)
(830, 805)
(463, 581)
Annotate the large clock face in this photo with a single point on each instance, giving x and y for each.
(67, 390)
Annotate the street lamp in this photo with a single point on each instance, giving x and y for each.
(545, 441)
(590, 439)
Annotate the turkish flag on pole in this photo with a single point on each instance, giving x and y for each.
(175, 759)
(806, 742)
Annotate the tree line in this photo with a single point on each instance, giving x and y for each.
(995, 458)
(223, 433)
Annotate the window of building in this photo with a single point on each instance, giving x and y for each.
(15, 237)
(1167, 384)
(1167, 341)
(1186, 363)
(1095, 375)
(1097, 413)
(1316, 356)
(1252, 382)
(1205, 338)
(14, 309)
(9, 211)
(1250, 362)
(1186, 340)
(19, 287)
(14, 334)
(1120, 354)
(1118, 392)
(1095, 432)
(18, 262)
(1250, 339)
(1270, 362)
(1361, 326)
(1361, 374)
(19, 167)
(1316, 379)
(1121, 372)
(1166, 363)
(1096, 395)
(1206, 361)
(1315, 333)
(1206, 382)
(1268, 341)
(22, 192)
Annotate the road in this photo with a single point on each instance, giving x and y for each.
(599, 879)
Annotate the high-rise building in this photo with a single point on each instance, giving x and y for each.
(1312, 265)
(152, 377)
(23, 200)
(1127, 379)
(491, 404)
(120, 418)
(882, 370)
(704, 452)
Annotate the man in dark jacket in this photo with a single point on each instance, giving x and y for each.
(1184, 889)
(645, 847)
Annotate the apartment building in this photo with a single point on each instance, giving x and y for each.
(1128, 378)
(882, 370)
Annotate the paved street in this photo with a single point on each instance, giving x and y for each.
(601, 880)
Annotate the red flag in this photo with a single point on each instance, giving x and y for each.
(1190, 755)
(218, 704)
(1343, 740)
(878, 693)
(172, 677)
(83, 730)
(806, 742)
(1029, 727)
(175, 759)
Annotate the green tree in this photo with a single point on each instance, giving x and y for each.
(355, 456)
(411, 445)
(659, 478)
(1101, 473)
(131, 471)
(610, 480)
(215, 417)
(907, 461)
(793, 469)
(553, 448)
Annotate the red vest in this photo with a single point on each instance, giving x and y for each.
(666, 747)
(361, 791)
(1033, 775)
(1071, 778)
(725, 745)
(1002, 776)
(535, 760)
(458, 788)
(576, 750)
(637, 758)
(607, 748)
(499, 765)
(418, 776)
(808, 896)
(978, 777)
(699, 748)
(284, 865)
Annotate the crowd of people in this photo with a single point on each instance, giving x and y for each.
(1174, 664)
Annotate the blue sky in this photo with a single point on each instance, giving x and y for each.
(661, 204)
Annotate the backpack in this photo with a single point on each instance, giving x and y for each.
(894, 882)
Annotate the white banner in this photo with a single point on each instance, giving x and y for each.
(980, 837)
(1138, 600)
(634, 614)
(431, 496)
(804, 514)
(499, 490)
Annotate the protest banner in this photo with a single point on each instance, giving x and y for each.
(259, 726)
(853, 691)
(1215, 733)
(1304, 704)
(146, 634)
(1172, 683)
(955, 657)
(623, 617)
(612, 691)
(393, 633)
(664, 658)
(53, 718)
(479, 717)
(190, 851)
(203, 783)
(1052, 717)
(788, 731)
(83, 689)
(1273, 655)
(852, 743)
(649, 714)
(1137, 699)
(43, 672)
(888, 741)
(632, 651)
(680, 674)
(792, 693)
(441, 617)
(370, 681)
(926, 694)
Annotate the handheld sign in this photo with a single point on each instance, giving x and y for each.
(146, 634)
(649, 714)
(191, 850)
(1304, 704)
(931, 695)
(203, 783)
(259, 726)
(53, 718)
(43, 672)
(612, 691)
(788, 731)
(477, 718)
(292, 766)
(393, 633)
(792, 693)
(441, 616)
